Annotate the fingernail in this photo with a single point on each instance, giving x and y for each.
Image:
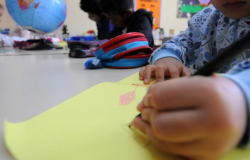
(145, 80)
(139, 106)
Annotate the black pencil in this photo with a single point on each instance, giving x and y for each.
(224, 58)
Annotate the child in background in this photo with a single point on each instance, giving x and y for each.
(209, 33)
(125, 20)
(20, 32)
(7, 40)
(182, 121)
(104, 27)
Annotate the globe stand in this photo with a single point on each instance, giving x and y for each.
(43, 45)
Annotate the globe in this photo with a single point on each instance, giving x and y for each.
(38, 16)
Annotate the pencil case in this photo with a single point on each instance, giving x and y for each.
(129, 50)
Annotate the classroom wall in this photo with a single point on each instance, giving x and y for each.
(169, 18)
(7, 21)
(78, 21)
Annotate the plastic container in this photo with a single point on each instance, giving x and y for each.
(5, 31)
(82, 38)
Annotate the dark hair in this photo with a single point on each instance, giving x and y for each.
(90, 6)
(116, 6)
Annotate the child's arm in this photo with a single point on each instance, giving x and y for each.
(20, 32)
(184, 48)
(165, 66)
(176, 48)
(170, 59)
(198, 117)
(9, 41)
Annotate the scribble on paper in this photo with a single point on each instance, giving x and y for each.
(141, 85)
(141, 138)
(127, 98)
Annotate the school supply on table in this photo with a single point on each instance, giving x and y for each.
(5, 31)
(81, 38)
(92, 125)
(30, 42)
(65, 33)
(83, 49)
(93, 34)
(129, 50)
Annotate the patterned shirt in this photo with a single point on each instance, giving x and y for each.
(209, 33)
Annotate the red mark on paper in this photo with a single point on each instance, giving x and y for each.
(127, 98)
(140, 85)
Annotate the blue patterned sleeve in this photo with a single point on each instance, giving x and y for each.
(241, 76)
(174, 48)
(195, 45)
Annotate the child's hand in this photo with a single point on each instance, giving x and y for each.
(197, 118)
(25, 33)
(161, 68)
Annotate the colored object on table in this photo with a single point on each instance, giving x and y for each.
(40, 17)
(94, 63)
(83, 49)
(129, 50)
(82, 38)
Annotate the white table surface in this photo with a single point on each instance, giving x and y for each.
(32, 82)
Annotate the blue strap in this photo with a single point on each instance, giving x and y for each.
(126, 63)
(110, 54)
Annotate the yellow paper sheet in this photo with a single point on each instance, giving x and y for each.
(91, 126)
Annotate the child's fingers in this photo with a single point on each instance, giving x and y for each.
(146, 100)
(146, 114)
(143, 126)
(141, 73)
(160, 74)
(194, 150)
(176, 126)
(174, 95)
(184, 71)
(149, 69)
(140, 106)
(181, 149)
(173, 72)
